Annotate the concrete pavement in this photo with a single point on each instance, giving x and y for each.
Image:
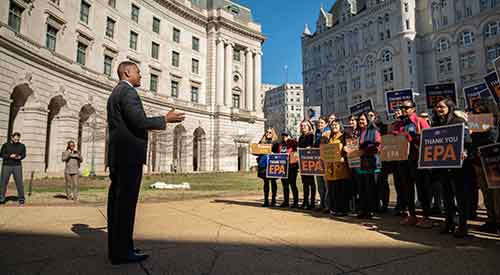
(234, 236)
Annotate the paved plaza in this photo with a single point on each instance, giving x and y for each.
(234, 236)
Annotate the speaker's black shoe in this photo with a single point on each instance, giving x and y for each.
(130, 258)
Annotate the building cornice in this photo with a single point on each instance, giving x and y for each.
(31, 50)
(204, 21)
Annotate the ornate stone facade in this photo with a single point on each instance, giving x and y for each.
(284, 108)
(57, 68)
(362, 48)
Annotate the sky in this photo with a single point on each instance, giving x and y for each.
(283, 23)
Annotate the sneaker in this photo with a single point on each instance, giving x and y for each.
(488, 227)
(21, 202)
(410, 220)
(424, 223)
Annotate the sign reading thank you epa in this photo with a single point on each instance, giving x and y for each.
(442, 147)
(310, 162)
(394, 99)
(277, 166)
(437, 92)
(490, 158)
(362, 107)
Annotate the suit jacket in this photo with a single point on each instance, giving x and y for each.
(128, 127)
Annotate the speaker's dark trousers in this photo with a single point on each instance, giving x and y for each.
(122, 202)
(17, 172)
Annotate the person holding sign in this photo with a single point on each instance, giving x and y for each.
(412, 128)
(337, 174)
(269, 137)
(306, 140)
(321, 136)
(369, 145)
(479, 139)
(288, 146)
(453, 180)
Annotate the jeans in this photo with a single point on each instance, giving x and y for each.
(422, 177)
(323, 192)
(340, 195)
(454, 188)
(291, 183)
(274, 190)
(17, 172)
(309, 190)
(368, 193)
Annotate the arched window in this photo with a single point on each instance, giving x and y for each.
(466, 39)
(492, 29)
(387, 57)
(442, 45)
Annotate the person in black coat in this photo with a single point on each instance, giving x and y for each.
(454, 181)
(128, 128)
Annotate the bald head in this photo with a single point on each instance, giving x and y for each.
(129, 71)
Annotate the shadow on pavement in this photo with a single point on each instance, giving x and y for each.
(388, 225)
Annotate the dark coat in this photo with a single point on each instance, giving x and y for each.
(128, 127)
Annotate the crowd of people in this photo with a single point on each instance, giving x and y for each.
(365, 191)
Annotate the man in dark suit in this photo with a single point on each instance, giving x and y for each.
(128, 138)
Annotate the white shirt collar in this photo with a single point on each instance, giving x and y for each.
(126, 81)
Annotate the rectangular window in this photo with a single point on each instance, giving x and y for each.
(174, 88)
(134, 37)
(176, 35)
(445, 65)
(468, 61)
(84, 12)
(156, 25)
(196, 44)
(194, 94)
(108, 65)
(388, 34)
(81, 53)
(110, 27)
(155, 50)
(153, 83)
(468, 11)
(195, 66)
(175, 59)
(236, 55)
(407, 24)
(388, 75)
(51, 37)
(381, 35)
(134, 14)
(406, 7)
(492, 53)
(112, 3)
(236, 101)
(15, 14)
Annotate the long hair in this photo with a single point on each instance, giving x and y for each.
(370, 124)
(274, 136)
(452, 107)
(68, 144)
(309, 125)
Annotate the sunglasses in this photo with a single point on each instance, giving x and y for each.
(406, 107)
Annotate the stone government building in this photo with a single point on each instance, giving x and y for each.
(58, 61)
(362, 48)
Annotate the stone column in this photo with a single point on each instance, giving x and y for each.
(249, 80)
(219, 94)
(228, 91)
(257, 82)
(33, 136)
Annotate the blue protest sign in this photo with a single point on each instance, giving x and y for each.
(491, 80)
(277, 166)
(394, 99)
(474, 93)
(310, 162)
(442, 147)
(362, 107)
(437, 92)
